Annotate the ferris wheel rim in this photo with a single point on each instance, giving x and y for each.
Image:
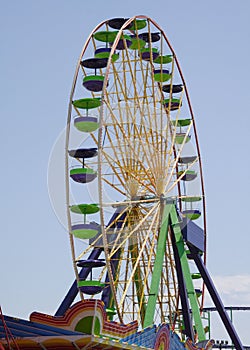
(101, 202)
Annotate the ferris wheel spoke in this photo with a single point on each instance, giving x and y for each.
(138, 258)
(138, 279)
(119, 86)
(173, 166)
(121, 231)
(89, 248)
(133, 74)
(138, 176)
(148, 257)
(149, 152)
(137, 227)
(114, 165)
(172, 148)
(117, 160)
(182, 175)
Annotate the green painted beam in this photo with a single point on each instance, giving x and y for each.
(187, 275)
(156, 276)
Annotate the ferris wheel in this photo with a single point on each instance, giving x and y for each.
(134, 177)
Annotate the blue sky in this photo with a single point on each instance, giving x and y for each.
(40, 45)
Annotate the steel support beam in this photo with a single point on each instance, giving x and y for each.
(216, 298)
(186, 313)
(186, 273)
(85, 271)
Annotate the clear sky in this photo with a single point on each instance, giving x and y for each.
(40, 45)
